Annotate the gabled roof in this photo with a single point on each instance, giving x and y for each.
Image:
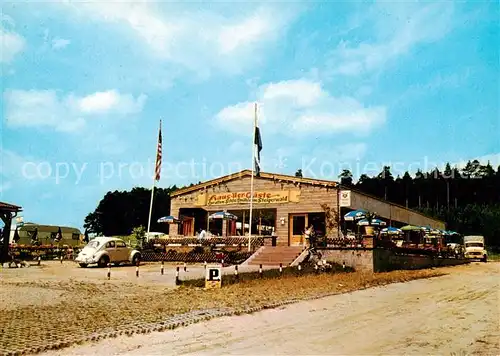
(248, 173)
(6, 207)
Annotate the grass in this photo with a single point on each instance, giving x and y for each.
(493, 255)
(90, 307)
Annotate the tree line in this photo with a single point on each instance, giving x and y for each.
(467, 199)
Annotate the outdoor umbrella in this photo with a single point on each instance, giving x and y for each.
(374, 222)
(16, 237)
(391, 231)
(168, 220)
(355, 215)
(223, 215)
(411, 228)
(426, 229)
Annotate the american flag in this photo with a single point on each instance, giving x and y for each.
(158, 157)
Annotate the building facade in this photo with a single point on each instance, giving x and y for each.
(283, 206)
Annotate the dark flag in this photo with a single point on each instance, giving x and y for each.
(16, 237)
(58, 235)
(258, 143)
(34, 237)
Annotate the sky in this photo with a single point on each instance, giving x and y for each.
(355, 85)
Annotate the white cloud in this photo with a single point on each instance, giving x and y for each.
(45, 108)
(11, 44)
(59, 43)
(200, 41)
(301, 107)
(397, 28)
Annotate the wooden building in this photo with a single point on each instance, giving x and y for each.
(283, 206)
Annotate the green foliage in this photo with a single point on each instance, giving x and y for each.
(119, 212)
(139, 234)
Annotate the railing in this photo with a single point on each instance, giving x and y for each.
(195, 257)
(256, 241)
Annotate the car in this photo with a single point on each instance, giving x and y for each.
(103, 250)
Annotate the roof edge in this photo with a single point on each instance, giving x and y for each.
(247, 172)
(391, 203)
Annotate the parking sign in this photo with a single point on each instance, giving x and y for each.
(213, 277)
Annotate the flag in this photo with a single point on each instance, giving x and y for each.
(58, 235)
(16, 237)
(158, 157)
(258, 143)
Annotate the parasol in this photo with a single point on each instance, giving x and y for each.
(373, 222)
(391, 231)
(223, 215)
(355, 215)
(168, 220)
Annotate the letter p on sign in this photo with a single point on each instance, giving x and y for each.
(213, 277)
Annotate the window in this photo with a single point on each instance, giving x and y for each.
(317, 220)
(110, 244)
(93, 244)
(120, 244)
(473, 244)
(75, 236)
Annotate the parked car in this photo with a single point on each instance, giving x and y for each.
(103, 250)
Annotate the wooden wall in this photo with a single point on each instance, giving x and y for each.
(310, 200)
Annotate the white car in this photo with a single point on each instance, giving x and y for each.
(103, 250)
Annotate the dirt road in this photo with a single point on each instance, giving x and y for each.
(454, 314)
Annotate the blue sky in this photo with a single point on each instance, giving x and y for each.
(339, 84)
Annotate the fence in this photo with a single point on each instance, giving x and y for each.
(196, 257)
(255, 242)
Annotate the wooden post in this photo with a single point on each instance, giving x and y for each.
(243, 224)
(4, 248)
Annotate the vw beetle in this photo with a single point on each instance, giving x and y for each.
(103, 250)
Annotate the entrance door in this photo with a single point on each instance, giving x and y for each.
(188, 226)
(297, 223)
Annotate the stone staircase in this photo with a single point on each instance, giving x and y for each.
(273, 256)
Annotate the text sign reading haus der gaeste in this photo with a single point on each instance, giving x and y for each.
(269, 197)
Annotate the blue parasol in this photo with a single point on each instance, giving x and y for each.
(223, 215)
(168, 220)
(374, 222)
(391, 231)
(355, 215)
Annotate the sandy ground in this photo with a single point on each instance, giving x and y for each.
(456, 314)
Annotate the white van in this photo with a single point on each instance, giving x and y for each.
(475, 248)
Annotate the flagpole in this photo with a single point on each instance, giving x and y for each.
(251, 180)
(154, 185)
(151, 206)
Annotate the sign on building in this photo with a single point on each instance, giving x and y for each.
(345, 198)
(259, 197)
(213, 277)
